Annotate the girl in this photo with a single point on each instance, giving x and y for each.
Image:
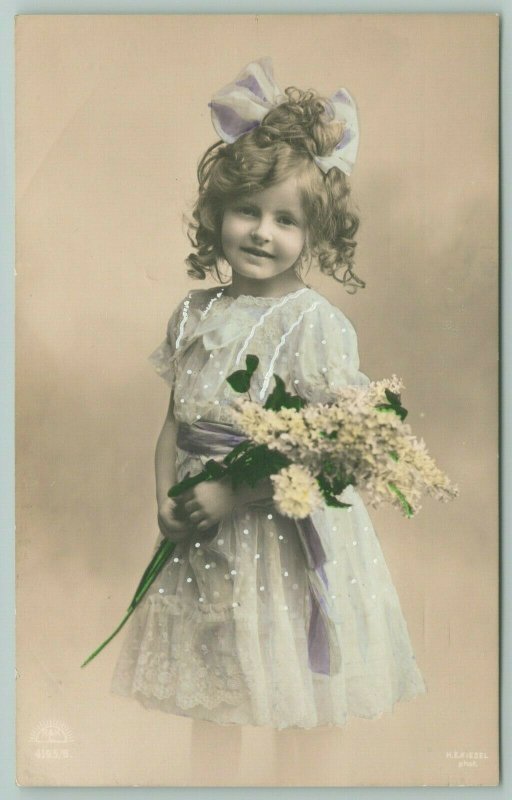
(226, 632)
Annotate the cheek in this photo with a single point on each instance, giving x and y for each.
(230, 232)
(296, 241)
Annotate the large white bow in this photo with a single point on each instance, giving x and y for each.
(242, 104)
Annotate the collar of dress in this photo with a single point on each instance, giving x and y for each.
(224, 324)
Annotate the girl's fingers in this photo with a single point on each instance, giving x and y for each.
(200, 520)
(191, 505)
(170, 525)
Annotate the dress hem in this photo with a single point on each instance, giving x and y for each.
(148, 704)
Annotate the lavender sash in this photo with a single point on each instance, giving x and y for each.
(216, 440)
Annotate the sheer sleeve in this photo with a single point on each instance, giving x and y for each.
(163, 358)
(326, 355)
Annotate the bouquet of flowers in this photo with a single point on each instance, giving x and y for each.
(313, 452)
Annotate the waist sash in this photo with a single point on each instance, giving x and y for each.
(216, 440)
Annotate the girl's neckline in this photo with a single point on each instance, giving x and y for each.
(262, 298)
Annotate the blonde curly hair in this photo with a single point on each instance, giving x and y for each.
(284, 144)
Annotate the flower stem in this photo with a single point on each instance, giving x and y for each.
(100, 648)
(162, 554)
(154, 567)
(405, 505)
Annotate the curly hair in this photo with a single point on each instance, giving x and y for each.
(284, 144)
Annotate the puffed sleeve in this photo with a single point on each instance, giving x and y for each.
(326, 355)
(163, 358)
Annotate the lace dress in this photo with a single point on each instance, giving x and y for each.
(222, 634)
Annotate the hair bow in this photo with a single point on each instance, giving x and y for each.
(242, 104)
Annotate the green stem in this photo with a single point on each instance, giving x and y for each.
(162, 554)
(100, 648)
(407, 507)
(154, 567)
(157, 568)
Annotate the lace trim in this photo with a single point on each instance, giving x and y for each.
(183, 321)
(210, 304)
(256, 300)
(210, 612)
(271, 310)
(163, 361)
(166, 657)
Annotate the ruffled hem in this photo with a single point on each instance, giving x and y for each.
(229, 716)
(163, 361)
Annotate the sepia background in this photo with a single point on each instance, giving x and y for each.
(111, 119)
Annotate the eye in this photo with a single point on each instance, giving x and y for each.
(284, 219)
(246, 210)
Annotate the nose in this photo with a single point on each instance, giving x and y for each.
(261, 231)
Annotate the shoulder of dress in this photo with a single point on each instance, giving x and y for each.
(197, 299)
(317, 321)
(200, 299)
(320, 308)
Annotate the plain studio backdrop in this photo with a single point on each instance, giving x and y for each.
(112, 118)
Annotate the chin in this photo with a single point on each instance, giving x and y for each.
(256, 272)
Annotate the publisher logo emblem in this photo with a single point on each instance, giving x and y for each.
(52, 738)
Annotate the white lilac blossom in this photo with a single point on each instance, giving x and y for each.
(296, 492)
(374, 447)
(312, 452)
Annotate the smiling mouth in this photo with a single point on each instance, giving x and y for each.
(254, 251)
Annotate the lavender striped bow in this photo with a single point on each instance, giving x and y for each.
(242, 104)
(215, 439)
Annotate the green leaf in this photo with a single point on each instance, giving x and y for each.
(330, 500)
(277, 396)
(251, 362)
(387, 407)
(329, 468)
(394, 404)
(254, 463)
(237, 451)
(393, 398)
(214, 470)
(240, 381)
(296, 402)
(187, 483)
(334, 481)
(280, 398)
(339, 483)
(329, 494)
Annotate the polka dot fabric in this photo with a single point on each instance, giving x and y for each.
(222, 634)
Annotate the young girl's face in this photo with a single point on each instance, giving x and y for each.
(263, 233)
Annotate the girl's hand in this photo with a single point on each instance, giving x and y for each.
(208, 502)
(172, 528)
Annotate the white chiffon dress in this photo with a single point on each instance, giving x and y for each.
(222, 635)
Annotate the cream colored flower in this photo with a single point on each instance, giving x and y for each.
(296, 492)
(353, 435)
